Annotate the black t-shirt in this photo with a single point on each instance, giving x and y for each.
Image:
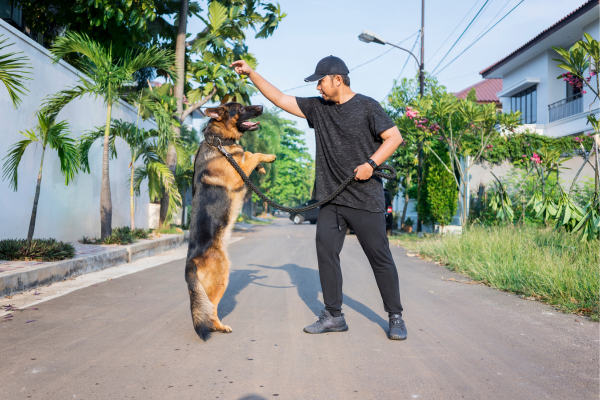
(347, 135)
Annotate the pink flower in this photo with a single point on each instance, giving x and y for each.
(584, 92)
(411, 113)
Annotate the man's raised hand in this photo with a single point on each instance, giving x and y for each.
(241, 67)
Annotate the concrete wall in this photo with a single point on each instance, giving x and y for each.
(64, 212)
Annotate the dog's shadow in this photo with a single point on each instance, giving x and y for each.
(308, 285)
(238, 280)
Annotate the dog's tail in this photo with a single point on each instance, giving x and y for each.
(200, 305)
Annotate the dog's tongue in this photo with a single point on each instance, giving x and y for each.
(249, 124)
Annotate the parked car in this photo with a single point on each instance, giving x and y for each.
(310, 215)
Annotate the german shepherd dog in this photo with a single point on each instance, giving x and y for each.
(218, 192)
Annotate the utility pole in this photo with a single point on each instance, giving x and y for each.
(421, 90)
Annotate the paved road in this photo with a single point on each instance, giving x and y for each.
(132, 337)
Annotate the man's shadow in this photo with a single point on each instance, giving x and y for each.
(308, 285)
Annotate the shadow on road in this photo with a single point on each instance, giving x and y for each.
(307, 283)
(252, 397)
(238, 280)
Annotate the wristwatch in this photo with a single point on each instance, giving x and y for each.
(372, 163)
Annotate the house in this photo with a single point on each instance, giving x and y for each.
(549, 105)
(485, 91)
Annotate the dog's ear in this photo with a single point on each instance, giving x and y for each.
(215, 113)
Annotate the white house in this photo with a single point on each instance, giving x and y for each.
(550, 106)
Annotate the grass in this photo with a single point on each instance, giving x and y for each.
(246, 219)
(37, 250)
(550, 266)
(122, 235)
(169, 230)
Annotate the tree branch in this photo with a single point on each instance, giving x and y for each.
(198, 104)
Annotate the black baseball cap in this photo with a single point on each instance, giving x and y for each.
(328, 66)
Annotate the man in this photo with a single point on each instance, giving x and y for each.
(351, 129)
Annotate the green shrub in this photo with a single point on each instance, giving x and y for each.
(37, 250)
(122, 235)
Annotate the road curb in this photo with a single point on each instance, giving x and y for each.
(20, 281)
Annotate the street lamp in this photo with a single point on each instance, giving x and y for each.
(368, 37)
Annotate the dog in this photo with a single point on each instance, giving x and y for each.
(218, 193)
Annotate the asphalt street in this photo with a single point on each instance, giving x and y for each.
(132, 337)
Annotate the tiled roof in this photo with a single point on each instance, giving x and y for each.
(486, 90)
(545, 33)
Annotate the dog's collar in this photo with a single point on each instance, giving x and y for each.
(216, 141)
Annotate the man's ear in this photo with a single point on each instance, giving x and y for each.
(214, 113)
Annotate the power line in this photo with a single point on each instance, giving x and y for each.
(461, 35)
(450, 35)
(358, 66)
(492, 20)
(476, 40)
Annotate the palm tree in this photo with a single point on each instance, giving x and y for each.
(106, 76)
(46, 133)
(142, 145)
(11, 70)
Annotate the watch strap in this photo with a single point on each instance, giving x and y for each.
(373, 164)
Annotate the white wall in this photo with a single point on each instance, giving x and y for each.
(64, 212)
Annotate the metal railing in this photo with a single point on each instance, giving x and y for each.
(565, 108)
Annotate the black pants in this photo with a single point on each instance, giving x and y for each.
(370, 230)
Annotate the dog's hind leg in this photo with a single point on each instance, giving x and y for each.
(215, 283)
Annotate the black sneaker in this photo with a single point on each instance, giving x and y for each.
(397, 328)
(327, 323)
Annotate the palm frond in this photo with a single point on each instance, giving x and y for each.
(53, 104)
(159, 178)
(68, 153)
(13, 159)
(75, 42)
(11, 73)
(86, 141)
(153, 57)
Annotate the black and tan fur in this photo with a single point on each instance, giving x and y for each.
(218, 192)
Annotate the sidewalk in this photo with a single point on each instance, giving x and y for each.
(18, 276)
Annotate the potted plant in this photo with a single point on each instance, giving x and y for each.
(408, 223)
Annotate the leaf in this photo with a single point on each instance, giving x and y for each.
(217, 15)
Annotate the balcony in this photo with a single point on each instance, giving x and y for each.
(565, 108)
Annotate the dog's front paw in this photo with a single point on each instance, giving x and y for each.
(269, 158)
(260, 169)
(226, 329)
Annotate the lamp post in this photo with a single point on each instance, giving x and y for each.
(368, 37)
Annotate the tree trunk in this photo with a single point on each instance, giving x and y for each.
(464, 205)
(132, 211)
(406, 199)
(35, 200)
(183, 213)
(419, 182)
(105, 199)
(171, 160)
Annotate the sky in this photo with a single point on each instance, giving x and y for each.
(314, 29)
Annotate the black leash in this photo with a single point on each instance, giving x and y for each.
(378, 172)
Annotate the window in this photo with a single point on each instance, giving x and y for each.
(526, 102)
(11, 13)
